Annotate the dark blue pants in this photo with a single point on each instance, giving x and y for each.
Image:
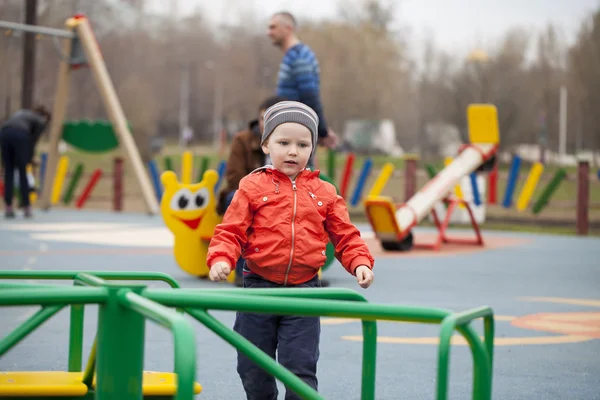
(296, 340)
(15, 148)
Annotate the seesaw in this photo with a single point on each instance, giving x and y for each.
(392, 223)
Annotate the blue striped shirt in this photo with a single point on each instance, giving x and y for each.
(299, 80)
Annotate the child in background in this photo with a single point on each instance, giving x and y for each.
(281, 218)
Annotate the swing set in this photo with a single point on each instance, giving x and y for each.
(82, 50)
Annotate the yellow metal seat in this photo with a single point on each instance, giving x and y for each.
(69, 384)
(381, 213)
(162, 384)
(42, 383)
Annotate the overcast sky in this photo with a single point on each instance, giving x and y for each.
(456, 25)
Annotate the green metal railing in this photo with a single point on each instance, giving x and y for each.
(77, 310)
(110, 275)
(27, 327)
(116, 359)
(369, 328)
(247, 302)
(461, 321)
(124, 307)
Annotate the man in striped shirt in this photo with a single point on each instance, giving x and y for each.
(298, 77)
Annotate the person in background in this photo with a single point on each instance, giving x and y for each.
(245, 156)
(299, 73)
(19, 135)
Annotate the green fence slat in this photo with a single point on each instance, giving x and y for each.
(73, 184)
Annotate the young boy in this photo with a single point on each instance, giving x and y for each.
(245, 156)
(282, 216)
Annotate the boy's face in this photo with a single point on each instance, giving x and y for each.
(289, 146)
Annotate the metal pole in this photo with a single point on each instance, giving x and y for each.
(217, 109)
(15, 26)
(118, 184)
(410, 175)
(8, 71)
(562, 135)
(59, 111)
(583, 197)
(115, 112)
(120, 351)
(28, 79)
(184, 102)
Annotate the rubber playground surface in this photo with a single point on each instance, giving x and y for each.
(545, 292)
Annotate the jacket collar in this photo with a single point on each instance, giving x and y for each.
(305, 173)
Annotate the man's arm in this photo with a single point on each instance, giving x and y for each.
(303, 71)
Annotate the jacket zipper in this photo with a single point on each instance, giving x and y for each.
(293, 236)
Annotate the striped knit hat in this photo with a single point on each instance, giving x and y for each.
(291, 111)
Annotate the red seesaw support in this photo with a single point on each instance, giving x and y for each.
(381, 213)
(442, 226)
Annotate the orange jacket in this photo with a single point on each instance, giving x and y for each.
(283, 228)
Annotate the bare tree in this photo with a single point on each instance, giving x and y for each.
(584, 76)
(367, 72)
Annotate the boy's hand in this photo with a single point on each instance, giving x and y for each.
(364, 276)
(219, 271)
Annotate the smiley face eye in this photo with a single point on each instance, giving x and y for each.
(182, 200)
(185, 200)
(201, 198)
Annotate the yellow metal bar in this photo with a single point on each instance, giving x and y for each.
(187, 165)
(382, 179)
(59, 179)
(530, 184)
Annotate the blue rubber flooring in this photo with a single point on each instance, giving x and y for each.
(550, 282)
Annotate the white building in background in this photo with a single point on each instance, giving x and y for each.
(372, 136)
(531, 153)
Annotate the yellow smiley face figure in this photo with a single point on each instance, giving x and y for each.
(190, 213)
